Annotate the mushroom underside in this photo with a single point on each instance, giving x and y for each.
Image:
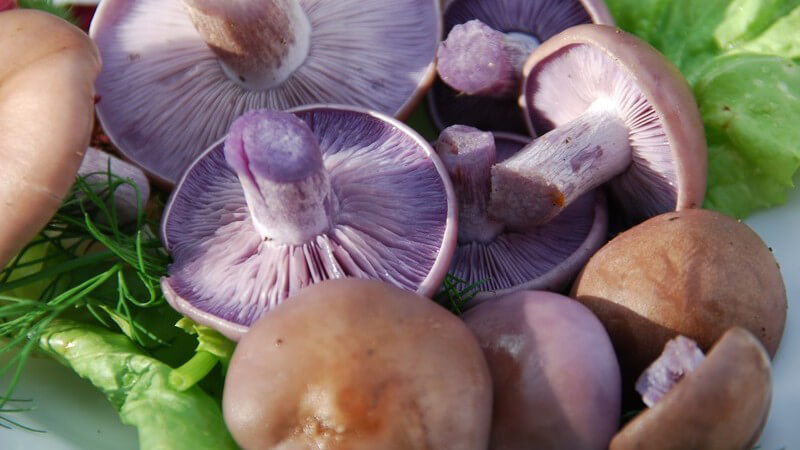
(540, 19)
(156, 66)
(567, 82)
(391, 223)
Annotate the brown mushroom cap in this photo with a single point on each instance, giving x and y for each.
(693, 272)
(723, 404)
(46, 117)
(358, 364)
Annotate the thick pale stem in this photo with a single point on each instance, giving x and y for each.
(260, 43)
(475, 59)
(279, 164)
(469, 154)
(538, 182)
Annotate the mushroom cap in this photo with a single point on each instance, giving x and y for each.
(722, 404)
(566, 74)
(129, 197)
(555, 375)
(46, 105)
(538, 18)
(165, 96)
(396, 222)
(694, 273)
(545, 257)
(358, 364)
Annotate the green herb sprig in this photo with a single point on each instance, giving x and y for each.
(85, 265)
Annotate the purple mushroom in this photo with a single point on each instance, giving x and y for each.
(555, 375)
(101, 171)
(681, 356)
(614, 111)
(480, 63)
(286, 200)
(499, 258)
(176, 73)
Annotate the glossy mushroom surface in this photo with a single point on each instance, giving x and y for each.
(287, 200)
(723, 404)
(46, 118)
(358, 364)
(485, 47)
(555, 376)
(694, 273)
(498, 258)
(178, 72)
(608, 109)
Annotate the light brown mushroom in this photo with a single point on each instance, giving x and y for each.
(693, 272)
(723, 404)
(358, 364)
(47, 106)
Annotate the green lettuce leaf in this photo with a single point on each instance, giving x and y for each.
(739, 56)
(137, 385)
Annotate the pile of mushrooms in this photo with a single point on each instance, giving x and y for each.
(312, 226)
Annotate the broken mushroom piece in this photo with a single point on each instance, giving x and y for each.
(289, 199)
(177, 73)
(497, 258)
(722, 404)
(361, 365)
(608, 109)
(101, 171)
(681, 356)
(555, 376)
(480, 62)
(694, 273)
(46, 105)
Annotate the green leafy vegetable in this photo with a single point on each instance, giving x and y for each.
(48, 6)
(740, 58)
(456, 293)
(138, 387)
(212, 347)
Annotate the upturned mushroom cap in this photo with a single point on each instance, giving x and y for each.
(570, 72)
(694, 273)
(556, 379)
(723, 404)
(46, 110)
(167, 94)
(247, 226)
(539, 19)
(497, 258)
(358, 364)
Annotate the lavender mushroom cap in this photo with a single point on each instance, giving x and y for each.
(588, 64)
(165, 94)
(388, 214)
(539, 19)
(499, 259)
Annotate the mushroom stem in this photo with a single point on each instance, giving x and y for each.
(279, 164)
(476, 59)
(259, 42)
(468, 154)
(542, 179)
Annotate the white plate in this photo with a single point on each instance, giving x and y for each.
(77, 417)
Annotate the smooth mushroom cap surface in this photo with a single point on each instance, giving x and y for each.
(723, 404)
(693, 272)
(101, 171)
(568, 73)
(165, 96)
(546, 257)
(555, 375)
(394, 220)
(47, 110)
(358, 364)
(540, 19)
